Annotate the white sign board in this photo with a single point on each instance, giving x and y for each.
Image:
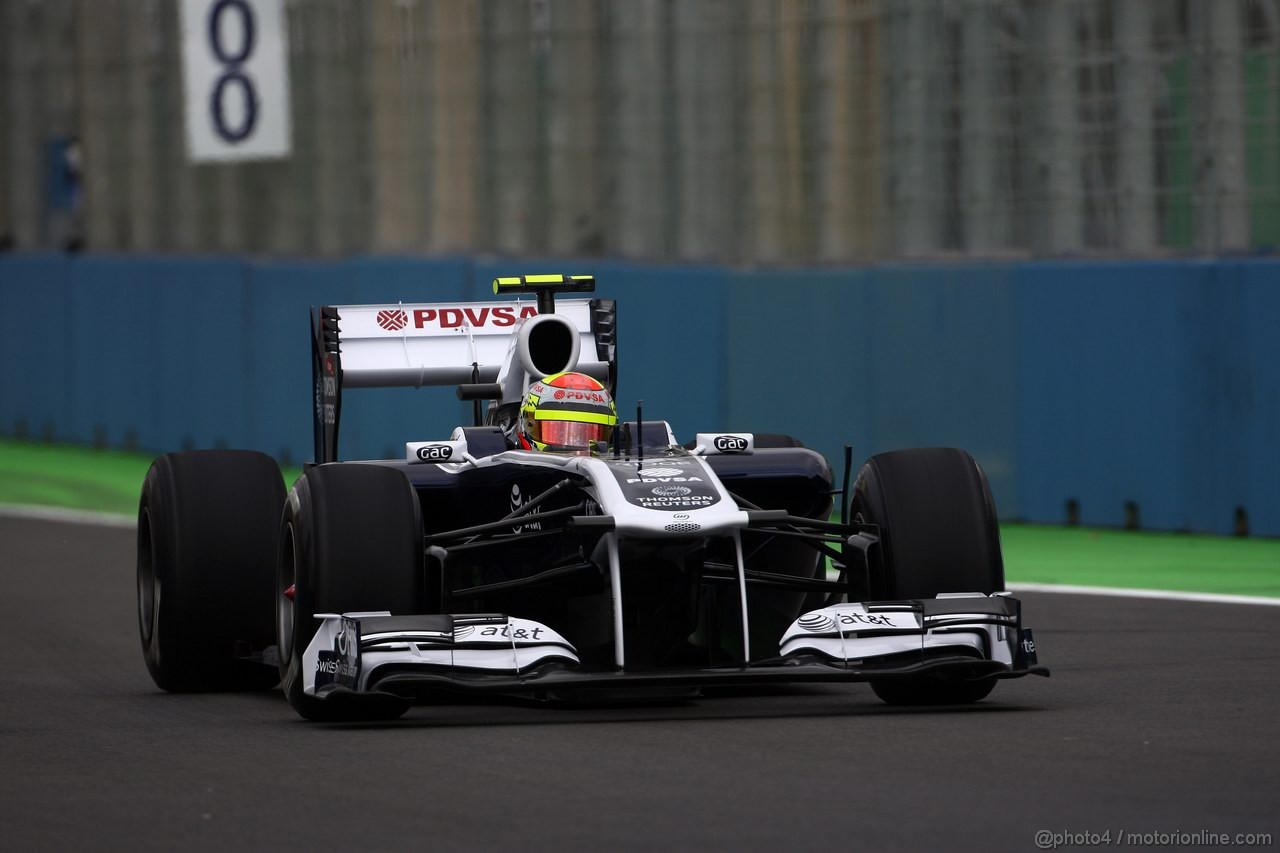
(235, 63)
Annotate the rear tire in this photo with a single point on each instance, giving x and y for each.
(207, 527)
(938, 533)
(351, 539)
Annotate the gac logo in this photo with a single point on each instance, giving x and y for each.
(435, 452)
(730, 443)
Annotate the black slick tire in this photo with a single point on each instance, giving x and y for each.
(207, 527)
(351, 540)
(927, 690)
(938, 527)
(938, 534)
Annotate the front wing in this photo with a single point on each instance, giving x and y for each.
(966, 636)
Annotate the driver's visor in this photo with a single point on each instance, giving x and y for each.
(572, 433)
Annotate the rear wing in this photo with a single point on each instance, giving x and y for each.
(414, 345)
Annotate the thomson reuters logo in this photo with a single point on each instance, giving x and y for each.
(392, 319)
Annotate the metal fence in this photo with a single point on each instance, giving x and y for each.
(727, 131)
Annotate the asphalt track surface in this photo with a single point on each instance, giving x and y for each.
(1160, 717)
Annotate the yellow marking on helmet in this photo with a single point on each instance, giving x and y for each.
(578, 417)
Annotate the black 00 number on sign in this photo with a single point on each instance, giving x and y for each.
(233, 49)
(235, 73)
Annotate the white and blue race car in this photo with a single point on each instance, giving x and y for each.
(471, 566)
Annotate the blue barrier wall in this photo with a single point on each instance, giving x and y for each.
(1156, 383)
(879, 359)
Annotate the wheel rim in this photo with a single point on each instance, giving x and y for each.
(285, 605)
(147, 580)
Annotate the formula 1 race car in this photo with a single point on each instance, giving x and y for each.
(645, 566)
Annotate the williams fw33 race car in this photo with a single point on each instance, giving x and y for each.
(512, 558)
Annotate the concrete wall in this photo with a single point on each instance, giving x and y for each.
(1155, 384)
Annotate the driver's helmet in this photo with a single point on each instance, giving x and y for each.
(566, 412)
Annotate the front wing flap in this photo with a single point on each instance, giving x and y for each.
(355, 650)
(964, 636)
(971, 624)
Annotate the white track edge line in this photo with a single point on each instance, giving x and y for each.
(70, 516)
(1120, 592)
(107, 519)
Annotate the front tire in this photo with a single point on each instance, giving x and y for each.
(351, 539)
(938, 527)
(926, 690)
(938, 534)
(207, 526)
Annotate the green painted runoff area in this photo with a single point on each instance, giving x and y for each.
(76, 477)
(109, 481)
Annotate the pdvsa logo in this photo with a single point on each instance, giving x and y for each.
(647, 479)
(477, 318)
(392, 319)
(730, 443)
(584, 396)
(435, 453)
